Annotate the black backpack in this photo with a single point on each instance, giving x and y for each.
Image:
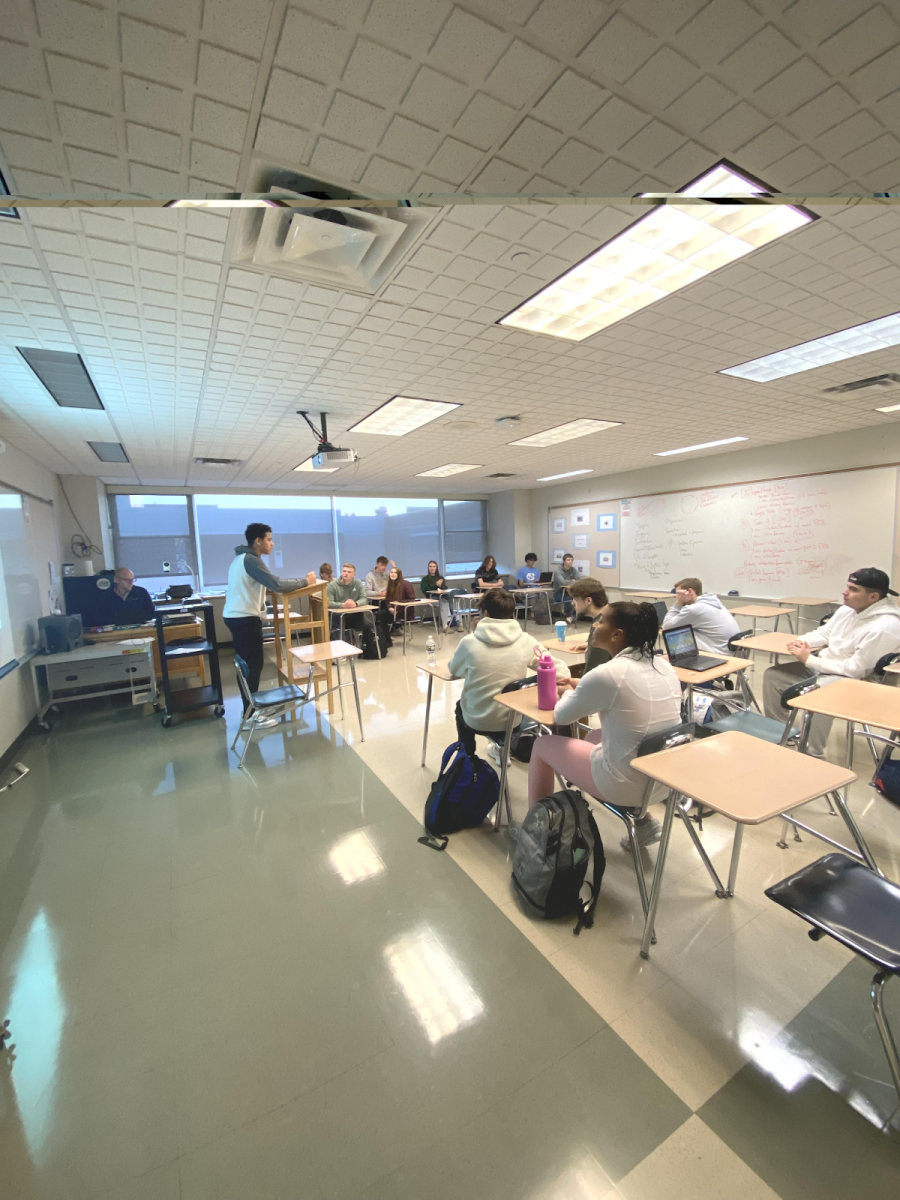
(372, 648)
(555, 844)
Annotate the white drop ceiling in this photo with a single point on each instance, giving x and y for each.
(194, 356)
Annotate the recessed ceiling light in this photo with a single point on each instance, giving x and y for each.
(7, 212)
(236, 203)
(565, 433)
(699, 446)
(306, 465)
(109, 451)
(889, 408)
(448, 469)
(565, 475)
(671, 247)
(402, 415)
(64, 375)
(834, 347)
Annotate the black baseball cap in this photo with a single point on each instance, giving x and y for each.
(872, 579)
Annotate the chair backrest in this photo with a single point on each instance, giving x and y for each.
(884, 661)
(799, 689)
(241, 670)
(661, 609)
(529, 681)
(734, 642)
(653, 743)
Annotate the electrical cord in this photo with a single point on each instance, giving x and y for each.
(80, 545)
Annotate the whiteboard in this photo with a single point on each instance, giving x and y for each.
(27, 532)
(779, 538)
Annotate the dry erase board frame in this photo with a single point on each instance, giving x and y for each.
(28, 575)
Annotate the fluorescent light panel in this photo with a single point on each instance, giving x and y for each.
(699, 446)
(660, 254)
(889, 408)
(402, 415)
(4, 191)
(447, 469)
(109, 451)
(565, 433)
(306, 465)
(565, 475)
(64, 375)
(834, 347)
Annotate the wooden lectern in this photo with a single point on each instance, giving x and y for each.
(315, 622)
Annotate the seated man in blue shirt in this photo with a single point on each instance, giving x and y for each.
(130, 604)
(529, 575)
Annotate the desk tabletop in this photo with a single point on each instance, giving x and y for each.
(322, 651)
(728, 667)
(524, 701)
(438, 670)
(761, 610)
(806, 601)
(854, 700)
(670, 595)
(339, 608)
(769, 643)
(892, 668)
(744, 778)
(534, 587)
(412, 603)
(555, 646)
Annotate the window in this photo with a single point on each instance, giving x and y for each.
(151, 530)
(405, 530)
(301, 531)
(463, 535)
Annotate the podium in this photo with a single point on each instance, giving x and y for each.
(315, 622)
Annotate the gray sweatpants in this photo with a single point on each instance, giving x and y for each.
(775, 680)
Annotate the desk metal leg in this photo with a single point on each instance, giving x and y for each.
(735, 857)
(362, 736)
(504, 770)
(650, 922)
(840, 800)
(701, 849)
(340, 684)
(884, 1030)
(427, 717)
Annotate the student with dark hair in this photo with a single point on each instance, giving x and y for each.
(487, 576)
(712, 623)
(399, 589)
(326, 572)
(433, 581)
(377, 579)
(634, 694)
(589, 600)
(245, 598)
(564, 575)
(529, 575)
(487, 660)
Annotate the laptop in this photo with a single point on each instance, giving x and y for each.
(546, 577)
(681, 647)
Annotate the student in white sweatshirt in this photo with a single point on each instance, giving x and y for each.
(634, 694)
(864, 628)
(498, 652)
(710, 620)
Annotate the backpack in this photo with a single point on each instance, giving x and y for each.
(462, 795)
(887, 780)
(553, 850)
(370, 647)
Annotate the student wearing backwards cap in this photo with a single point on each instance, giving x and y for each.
(848, 646)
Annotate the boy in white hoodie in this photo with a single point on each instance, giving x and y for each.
(848, 646)
(498, 652)
(710, 620)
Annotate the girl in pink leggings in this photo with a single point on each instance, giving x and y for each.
(634, 694)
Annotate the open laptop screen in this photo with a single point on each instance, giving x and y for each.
(680, 642)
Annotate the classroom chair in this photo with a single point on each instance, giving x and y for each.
(272, 702)
(756, 725)
(859, 909)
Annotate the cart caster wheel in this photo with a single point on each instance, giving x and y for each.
(157, 707)
(219, 710)
(54, 708)
(45, 725)
(166, 722)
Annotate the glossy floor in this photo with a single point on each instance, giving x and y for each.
(257, 984)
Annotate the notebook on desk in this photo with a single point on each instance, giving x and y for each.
(681, 647)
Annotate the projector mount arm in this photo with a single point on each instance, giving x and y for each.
(321, 437)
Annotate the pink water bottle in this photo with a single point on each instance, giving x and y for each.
(546, 682)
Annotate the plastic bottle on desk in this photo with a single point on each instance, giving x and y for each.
(430, 649)
(546, 682)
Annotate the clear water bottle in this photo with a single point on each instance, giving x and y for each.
(430, 650)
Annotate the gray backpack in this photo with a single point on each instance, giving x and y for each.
(554, 847)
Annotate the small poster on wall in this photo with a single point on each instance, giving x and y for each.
(579, 541)
(607, 522)
(558, 555)
(559, 524)
(582, 566)
(606, 558)
(580, 517)
(625, 507)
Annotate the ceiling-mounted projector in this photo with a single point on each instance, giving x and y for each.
(327, 457)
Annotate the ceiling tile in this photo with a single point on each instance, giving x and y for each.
(618, 49)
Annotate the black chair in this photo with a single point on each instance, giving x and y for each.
(756, 725)
(265, 705)
(859, 909)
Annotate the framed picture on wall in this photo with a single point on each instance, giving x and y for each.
(606, 558)
(582, 566)
(580, 517)
(557, 556)
(559, 524)
(607, 522)
(579, 541)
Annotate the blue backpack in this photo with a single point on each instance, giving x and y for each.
(887, 780)
(461, 797)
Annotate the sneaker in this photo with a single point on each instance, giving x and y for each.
(494, 753)
(647, 834)
(267, 722)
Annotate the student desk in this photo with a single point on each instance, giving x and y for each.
(430, 606)
(526, 592)
(331, 652)
(647, 595)
(692, 679)
(438, 671)
(524, 702)
(555, 646)
(343, 613)
(801, 602)
(746, 779)
(759, 612)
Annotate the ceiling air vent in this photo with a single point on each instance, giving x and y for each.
(879, 381)
(109, 451)
(503, 475)
(218, 462)
(353, 249)
(64, 375)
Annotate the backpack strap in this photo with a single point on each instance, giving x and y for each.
(434, 843)
(586, 910)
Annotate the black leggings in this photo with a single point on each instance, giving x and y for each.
(248, 643)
